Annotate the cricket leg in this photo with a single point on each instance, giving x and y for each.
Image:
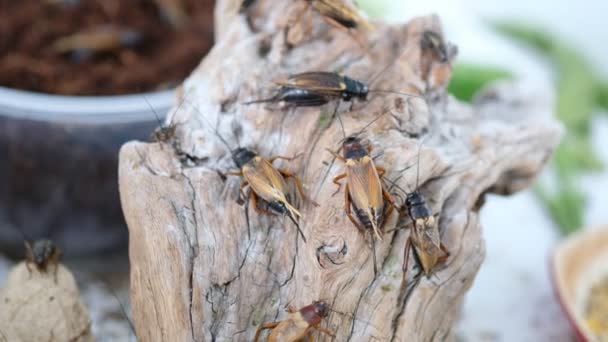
(271, 160)
(347, 210)
(388, 198)
(311, 338)
(256, 207)
(291, 309)
(242, 196)
(337, 156)
(381, 171)
(296, 179)
(389, 211)
(336, 181)
(235, 173)
(264, 327)
(325, 331)
(446, 254)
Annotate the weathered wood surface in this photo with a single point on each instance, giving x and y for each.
(204, 268)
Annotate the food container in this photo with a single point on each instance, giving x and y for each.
(58, 166)
(579, 263)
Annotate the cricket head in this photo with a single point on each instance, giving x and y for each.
(353, 148)
(242, 156)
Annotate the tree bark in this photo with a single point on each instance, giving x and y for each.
(204, 268)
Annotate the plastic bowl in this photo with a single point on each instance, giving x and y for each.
(58, 166)
(580, 262)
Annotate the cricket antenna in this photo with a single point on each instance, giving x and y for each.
(394, 184)
(373, 79)
(418, 160)
(370, 123)
(163, 128)
(27, 241)
(340, 121)
(215, 130)
(160, 123)
(297, 225)
(384, 91)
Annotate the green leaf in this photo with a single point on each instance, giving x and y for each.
(575, 155)
(577, 95)
(576, 90)
(566, 206)
(468, 79)
(527, 34)
(601, 96)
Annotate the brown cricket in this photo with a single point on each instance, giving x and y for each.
(425, 239)
(298, 324)
(267, 184)
(364, 191)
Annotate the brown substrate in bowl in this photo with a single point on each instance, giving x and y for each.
(157, 52)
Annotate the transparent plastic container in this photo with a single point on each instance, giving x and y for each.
(59, 167)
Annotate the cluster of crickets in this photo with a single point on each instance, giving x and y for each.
(367, 198)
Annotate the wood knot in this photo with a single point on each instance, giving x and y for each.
(334, 253)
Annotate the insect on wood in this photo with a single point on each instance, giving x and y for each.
(268, 188)
(433, 42)
(425, 239)
(298, 324)
(267, 185)
(317, 88)
(339, 14)
(364, 192)
(163, 133)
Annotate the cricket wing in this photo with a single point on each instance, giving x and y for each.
(365, 191)
(265, 180)
(428, 243)
(268, 183)
(340, 12)
(324, 83)
(364, 184)
(291, 329)
(429, 228)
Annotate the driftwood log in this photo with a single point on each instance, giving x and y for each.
(205, 268)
